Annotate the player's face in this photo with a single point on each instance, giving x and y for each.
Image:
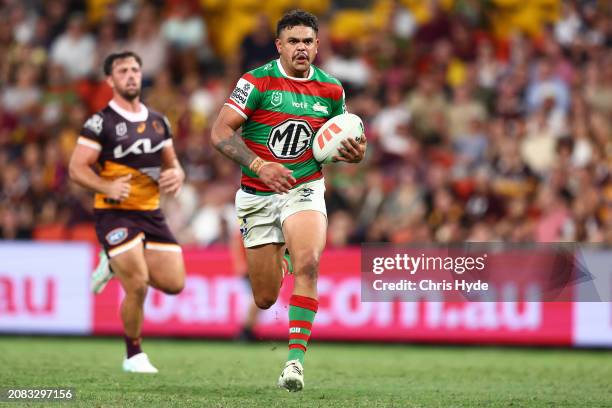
(297, 47)
(126, 78)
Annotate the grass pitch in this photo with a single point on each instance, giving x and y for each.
(218, 374)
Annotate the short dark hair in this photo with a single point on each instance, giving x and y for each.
(110, 60)
(297, 18)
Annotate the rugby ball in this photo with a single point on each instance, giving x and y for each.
(330, 136)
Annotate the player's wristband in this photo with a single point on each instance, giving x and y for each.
(257, 164)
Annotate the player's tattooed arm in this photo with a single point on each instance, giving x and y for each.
(235, 148)
(227, 141)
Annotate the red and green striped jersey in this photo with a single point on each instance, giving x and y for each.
(282, 115)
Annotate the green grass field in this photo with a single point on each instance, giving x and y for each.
(218, 374)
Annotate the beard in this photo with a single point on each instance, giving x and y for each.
(129, 95)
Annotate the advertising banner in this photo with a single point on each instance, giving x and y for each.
(215, 302)
(44, 288)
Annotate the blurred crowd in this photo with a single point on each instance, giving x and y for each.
(485, 120)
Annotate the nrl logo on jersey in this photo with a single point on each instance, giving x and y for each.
(140, 146)
(290, 139)
(277, 98)
(121, 129)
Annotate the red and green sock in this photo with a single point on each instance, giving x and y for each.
(302, 311)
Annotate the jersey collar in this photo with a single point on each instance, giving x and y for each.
(130, 116)
(283, 73)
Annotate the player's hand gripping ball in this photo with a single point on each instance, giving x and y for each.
(332, 142)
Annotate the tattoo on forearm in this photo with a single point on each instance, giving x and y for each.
(234, 148)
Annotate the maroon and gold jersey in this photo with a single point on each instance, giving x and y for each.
(129, 143)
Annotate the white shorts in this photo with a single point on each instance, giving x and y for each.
(261, 217)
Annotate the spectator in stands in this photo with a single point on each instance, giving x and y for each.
(427, 106)
(391, 125)
(463, 110)
(545, 85)
(58, 96)
(215, 216)
(147, 41)
(23, 96)
(74, 49)
(258, 47)
(23, 22)
(349, 67)
(186, 30)
(107, 42)
(554, 215)
(479, 128)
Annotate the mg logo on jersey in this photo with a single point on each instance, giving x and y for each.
(290, 139)
(141, 146)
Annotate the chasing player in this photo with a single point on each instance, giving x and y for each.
(280, 106)
(133, 147)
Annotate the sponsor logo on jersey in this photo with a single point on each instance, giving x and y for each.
(318, 107)
(300, 105)
(121, 129)
(240, 94)
(158, 127)
(268, 66)
(140, 146)
(117, 236)
(141, 127)
(277, 98)
(295, 330)
(95, 124)
(290, 139)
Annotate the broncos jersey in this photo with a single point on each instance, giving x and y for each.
(129, 143)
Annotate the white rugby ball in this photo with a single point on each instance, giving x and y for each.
(330, 136)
